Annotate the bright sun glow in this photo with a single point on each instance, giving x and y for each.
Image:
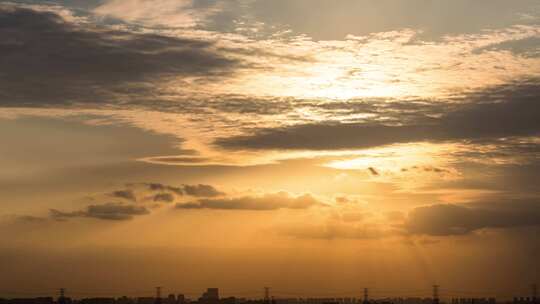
(393, 158)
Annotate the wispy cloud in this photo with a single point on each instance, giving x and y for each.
(164, 13)
(281, 200)
(125, 194)
(107, 211)
(199, 190)
(164, 197)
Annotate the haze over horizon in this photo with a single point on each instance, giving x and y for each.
(300, 144)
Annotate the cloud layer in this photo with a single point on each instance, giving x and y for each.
(108, 211)
(509, 110)
(134, 200)
(49, 60)
(199, 190)
(452, 219)
(281, 200)
(165, 13)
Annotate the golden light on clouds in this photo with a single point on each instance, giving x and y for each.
(385, 65)
(396, 157)
(309, 144)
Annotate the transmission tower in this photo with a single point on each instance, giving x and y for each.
(366, 296)
(435, 294)
(267, 295)
(158, 295)
(62, 297)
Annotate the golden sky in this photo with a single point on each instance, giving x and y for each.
(314, 146)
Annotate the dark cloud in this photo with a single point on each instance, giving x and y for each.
(202, 190)
(164, 197)
(30, 219)
(434, 169)
(503, 111)
(267, 202)
(528, 47)
(454, 219)
(161, 187)
(199, 190)
(178, 159)
(425, 169)
(325, 137)
(48, 60)
(125, 194)
(108, 211)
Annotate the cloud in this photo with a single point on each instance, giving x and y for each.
(141, 197)
(501, 111)
(201, 190)
(440, 220)
(164, 197)
(281, 200)
(178, 160)
(47, 59)
(30, 219)
(167, 13)
(425, 169)
(344, 200)
(454, 219)
(125, 194)
(108, 211)
(162, 187)
(529, 47)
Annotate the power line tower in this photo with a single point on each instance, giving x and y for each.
(366, 296)
(62, 296)
(534, 291)
(267, 295)
(158, 295)
(435, 294)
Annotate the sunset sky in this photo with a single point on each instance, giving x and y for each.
(314, 146)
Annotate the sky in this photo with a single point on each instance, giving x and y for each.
(314, 146)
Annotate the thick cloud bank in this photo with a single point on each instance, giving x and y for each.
(452, 219)
(509, 110)
(46, 59)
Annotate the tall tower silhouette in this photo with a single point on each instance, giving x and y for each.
(62, 296)
(366, 296)
(267, 295)
(435, 294)
(534, 291)
(158, 295)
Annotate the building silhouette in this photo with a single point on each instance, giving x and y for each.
(211, 295)
(474, 301)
